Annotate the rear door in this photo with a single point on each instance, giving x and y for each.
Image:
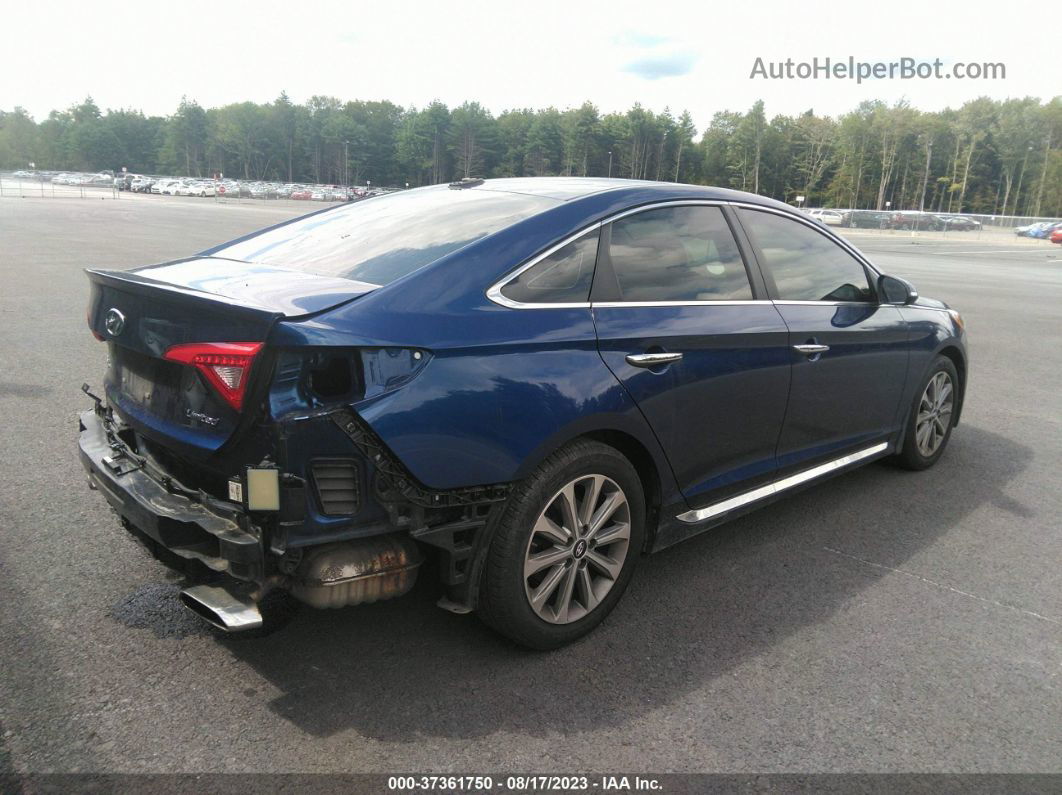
(849, 352)
(687, 328)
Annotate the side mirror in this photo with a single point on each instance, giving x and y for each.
(894, 290)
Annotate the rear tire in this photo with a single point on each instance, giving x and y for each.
(564, 547)
(931, 417)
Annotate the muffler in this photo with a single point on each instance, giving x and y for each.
(356, 572)
(222, 608)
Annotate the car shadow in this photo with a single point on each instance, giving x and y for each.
(400, 670)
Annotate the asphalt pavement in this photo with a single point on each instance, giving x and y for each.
(884, 621)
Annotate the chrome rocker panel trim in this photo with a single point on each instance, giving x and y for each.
(719, 508)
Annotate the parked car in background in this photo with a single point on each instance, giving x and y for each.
(1056, 234)
(1045, 232)
(1039, 229)
(196, 188)
(958, 223)
(302, 194)
(229, 188)
(867, 219)
(533, 381)
(914, 220)
(124, 181)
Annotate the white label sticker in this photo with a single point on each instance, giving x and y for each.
(236, 491)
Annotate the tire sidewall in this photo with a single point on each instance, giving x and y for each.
(503, 574)
(911, 454)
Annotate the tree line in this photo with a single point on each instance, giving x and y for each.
(1001, 157)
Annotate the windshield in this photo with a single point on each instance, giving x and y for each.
(382, 239)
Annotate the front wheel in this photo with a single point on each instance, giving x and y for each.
(930, 422)
(564, 547)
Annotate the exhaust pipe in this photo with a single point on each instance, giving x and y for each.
(332, 575)
(222, 608)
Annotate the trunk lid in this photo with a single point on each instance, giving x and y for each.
(142, 314)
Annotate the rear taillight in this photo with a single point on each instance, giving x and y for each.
(88, 319)
(226, 365)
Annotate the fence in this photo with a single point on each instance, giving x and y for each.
(102, 186)
(913, 224)
(38, 186)
(977, 226)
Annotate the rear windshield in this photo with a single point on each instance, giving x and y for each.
(384, 238)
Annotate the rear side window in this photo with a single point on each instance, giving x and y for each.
(805, 264)
(564, 277)
(677, 254)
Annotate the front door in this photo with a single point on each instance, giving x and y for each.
(849, 351)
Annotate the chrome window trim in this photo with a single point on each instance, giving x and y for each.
(495, 294)
(618, 304)
(658, 205)
(794, 302)
(720, 508)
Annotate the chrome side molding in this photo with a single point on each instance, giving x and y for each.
(719, 508)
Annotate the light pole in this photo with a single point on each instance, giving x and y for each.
(346, 167)
(610, 163)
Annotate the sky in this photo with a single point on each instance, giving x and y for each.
(698, 56)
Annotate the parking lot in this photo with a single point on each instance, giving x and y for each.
(107, 185)
(884, 621)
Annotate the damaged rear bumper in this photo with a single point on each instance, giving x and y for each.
(199, 527)
(324, 561)
(191, 525)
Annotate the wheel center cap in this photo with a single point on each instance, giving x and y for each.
(579, 549)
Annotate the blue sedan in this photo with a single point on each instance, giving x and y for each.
(531, 381)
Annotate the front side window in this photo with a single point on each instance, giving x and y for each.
(805, 264)
(564, 277)
(677, 254)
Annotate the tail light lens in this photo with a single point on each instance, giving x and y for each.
(226, 365)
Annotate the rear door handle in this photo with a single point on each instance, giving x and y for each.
(652, 359)
(811, 350)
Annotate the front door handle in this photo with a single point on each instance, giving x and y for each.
(652, 359)
(811, 350)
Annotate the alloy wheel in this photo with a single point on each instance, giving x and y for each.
(934, 414)
(577, 549)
